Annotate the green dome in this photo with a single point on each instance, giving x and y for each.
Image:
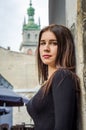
(30, 11)
(31, 25)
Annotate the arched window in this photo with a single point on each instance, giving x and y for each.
(29, 52)
(35, 36)
(28, 35)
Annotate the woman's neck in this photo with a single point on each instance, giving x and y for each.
(51, 70)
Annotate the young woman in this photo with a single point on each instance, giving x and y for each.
(55, 105)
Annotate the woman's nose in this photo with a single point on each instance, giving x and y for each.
(47, 47)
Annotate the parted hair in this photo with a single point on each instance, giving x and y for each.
(66, 50)
(65, 59)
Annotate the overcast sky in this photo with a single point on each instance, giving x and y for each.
(12, 13)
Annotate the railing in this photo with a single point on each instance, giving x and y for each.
(4, 127)
(23, 127)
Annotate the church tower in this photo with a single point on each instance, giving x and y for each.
(30, 33)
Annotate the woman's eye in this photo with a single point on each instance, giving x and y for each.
(42, 43)
(53, 42)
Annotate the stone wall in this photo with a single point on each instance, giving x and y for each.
(84, 56)
(19, 69)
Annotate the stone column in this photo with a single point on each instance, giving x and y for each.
(81, 54)
(57, 12)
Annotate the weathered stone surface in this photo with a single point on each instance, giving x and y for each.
(84, 40)
(84, 5)
(84, 75)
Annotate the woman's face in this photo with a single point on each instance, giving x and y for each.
(48, 48)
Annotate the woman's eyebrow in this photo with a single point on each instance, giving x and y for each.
(52, 40)
(49, 40)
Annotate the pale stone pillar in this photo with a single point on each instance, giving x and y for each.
(81, 50)
(57, 12)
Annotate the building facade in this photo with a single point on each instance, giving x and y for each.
(21, 71)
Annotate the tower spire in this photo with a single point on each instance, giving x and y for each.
(30, 2)
(39, 22)
(24, 21)
(30, 12)
(30, 39)
(31, 23)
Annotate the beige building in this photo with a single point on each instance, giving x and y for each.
(21, 71)
(18, 68)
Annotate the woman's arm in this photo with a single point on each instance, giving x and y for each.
(64, 97)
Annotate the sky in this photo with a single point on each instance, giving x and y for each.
(12, 13)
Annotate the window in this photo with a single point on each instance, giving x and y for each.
(29, 52)
(35, 36)
(28, 36)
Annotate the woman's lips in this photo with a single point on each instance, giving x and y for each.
(46, 56)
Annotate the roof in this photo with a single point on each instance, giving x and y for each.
(5, 83)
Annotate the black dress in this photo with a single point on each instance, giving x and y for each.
(57, 110)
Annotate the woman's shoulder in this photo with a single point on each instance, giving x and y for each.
(61, 75)
(63, 72)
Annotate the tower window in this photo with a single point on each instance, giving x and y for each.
(29, 52)
(28, 36)
(35, 36)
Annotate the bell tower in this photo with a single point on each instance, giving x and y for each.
(30, 32)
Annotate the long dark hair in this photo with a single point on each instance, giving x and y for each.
(66, 50)
(65, 59)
